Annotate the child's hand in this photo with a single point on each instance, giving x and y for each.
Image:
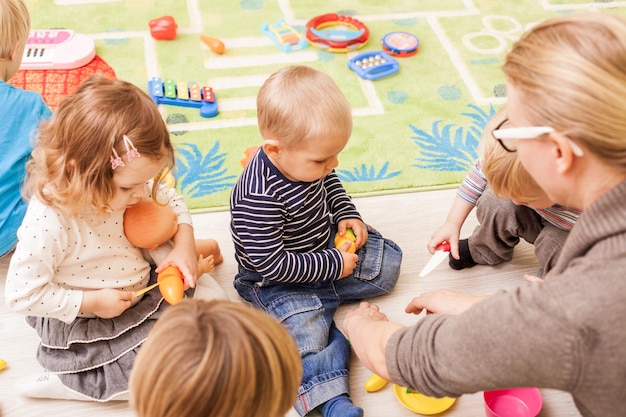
(448, 232)
(358, 227)
(183, 255)
(106, 303)
(349, 260)
(185, 261)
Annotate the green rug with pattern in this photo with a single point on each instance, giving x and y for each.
(417, 129)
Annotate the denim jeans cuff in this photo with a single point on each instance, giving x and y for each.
(321, 392)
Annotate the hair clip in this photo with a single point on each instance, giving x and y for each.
(131, 150)
(131, 153)
(116, 160)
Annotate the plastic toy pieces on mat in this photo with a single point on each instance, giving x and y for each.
(284, 36)
(373, 65)
(57, 49)
(179, 93)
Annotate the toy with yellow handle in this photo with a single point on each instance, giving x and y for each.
(349, 236)
(3, 364)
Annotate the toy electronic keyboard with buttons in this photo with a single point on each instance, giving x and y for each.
(373, 65)
(57, 49)
(179, 93)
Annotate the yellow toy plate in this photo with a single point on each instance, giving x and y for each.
(421, 404)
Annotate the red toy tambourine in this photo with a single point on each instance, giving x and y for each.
(400, 44)
(336, 40)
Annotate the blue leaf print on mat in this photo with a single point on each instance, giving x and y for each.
(364, 174)
(451, 148)
(198, 174)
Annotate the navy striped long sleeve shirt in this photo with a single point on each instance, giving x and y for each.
(281, 228)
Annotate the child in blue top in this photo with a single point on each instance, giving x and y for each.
(285, 209)
(21, 113)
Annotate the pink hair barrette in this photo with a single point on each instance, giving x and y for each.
(131, 153)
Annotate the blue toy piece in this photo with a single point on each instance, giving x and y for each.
(285, 36)
(373, 65)
(182, 94)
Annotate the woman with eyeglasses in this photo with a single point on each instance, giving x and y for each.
(566, 101)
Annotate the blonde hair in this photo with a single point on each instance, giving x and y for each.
(571, 70)
(215, 358)
(299, 103)
(71, 168)
(503, 170)
(14, 26)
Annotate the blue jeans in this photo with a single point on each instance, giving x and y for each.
(307, 311)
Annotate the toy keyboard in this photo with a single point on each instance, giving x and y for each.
(57, 49)
(179, 93)
(373, 65)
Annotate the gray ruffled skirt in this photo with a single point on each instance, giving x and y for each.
(94, 356)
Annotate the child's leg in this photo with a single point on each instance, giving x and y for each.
(209, 247)
(307, 313)
(377, 271)
(502, 223)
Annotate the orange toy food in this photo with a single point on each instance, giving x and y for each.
(171, 284)
(349, 236)
(215, 44)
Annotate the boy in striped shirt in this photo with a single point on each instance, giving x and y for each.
(285, 209)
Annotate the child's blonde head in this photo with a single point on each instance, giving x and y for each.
(71, 167)
(14, 26)
(216, 358)
(503, 170)
(571, 70)
(299, 103)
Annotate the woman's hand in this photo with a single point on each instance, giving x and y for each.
(443, 301)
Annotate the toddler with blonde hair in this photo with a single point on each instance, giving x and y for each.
(509, 206)
(224, 359)
(74, 273)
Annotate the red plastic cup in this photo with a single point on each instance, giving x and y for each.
(513, 402)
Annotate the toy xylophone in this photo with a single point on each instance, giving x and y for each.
(179, 93)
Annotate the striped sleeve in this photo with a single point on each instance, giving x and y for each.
(559, 216)
(473, 185)
(259, 237)
(340, 203)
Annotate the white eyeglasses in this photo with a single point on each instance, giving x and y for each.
(508, 137)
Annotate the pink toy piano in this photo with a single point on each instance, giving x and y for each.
(179, 93)
(57, 49)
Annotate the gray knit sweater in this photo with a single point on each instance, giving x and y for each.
(567, 333)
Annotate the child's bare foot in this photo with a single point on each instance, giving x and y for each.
(205, 265)
(209, 247)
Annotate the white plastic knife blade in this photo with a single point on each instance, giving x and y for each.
(440, 254)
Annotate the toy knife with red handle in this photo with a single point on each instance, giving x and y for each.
(441, 252)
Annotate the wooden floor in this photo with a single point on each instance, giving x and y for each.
(409, 219)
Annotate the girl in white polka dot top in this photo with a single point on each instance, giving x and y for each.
(74, 274)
